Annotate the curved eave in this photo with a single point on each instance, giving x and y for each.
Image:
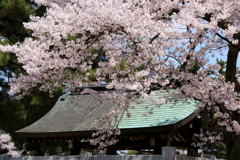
(179, 126)
(73, 116)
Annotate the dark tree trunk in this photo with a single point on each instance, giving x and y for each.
(233, 148)
(231, 69)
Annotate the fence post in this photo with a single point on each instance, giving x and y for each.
(85, 155)
(169, 153)
(5, 156)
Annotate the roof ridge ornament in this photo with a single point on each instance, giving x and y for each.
(65, 92)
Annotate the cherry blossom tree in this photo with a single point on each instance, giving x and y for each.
(145, 44)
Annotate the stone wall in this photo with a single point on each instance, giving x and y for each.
(168, 153)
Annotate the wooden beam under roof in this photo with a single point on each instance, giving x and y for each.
(181, 137)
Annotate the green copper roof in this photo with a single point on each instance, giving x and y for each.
(169, 113)
(75, 113)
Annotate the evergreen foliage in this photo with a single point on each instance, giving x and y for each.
(16, 114)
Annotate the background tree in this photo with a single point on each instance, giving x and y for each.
(16, 114)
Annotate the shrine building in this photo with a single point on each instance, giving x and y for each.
(71, 120)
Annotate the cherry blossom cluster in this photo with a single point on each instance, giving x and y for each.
(6, 143)
(134, 44)
(105, 137)
(207, 137)
(204, 138)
